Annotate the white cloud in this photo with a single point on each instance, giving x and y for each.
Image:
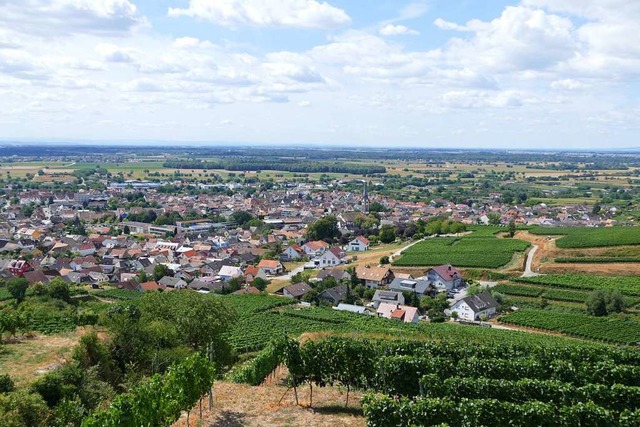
(473, 25)
(397, 30)
(112, 53)
(484, 99)
(567, 84)
(520, 39)
(47, 17)
(304, 104)
(283, 13)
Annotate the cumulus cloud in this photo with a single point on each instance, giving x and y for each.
(397, 30)
(520, 39)
(281, 13)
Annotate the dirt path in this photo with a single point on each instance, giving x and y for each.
(542, 260)
(530, 256)
(236, 405)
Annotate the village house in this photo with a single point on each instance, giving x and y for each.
(402, 313)
(335, 295)
(315, 248)
(271, 267)
(228, 272)
(337, 274)
(359, 244)
(445, 276)
(374, 277)
(419, 287)
(389, 297)
(330, 258)
(475, 307)
(293, 253)
(297, 290)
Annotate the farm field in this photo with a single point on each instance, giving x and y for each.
(261, 318)
(591, 237)
(610, 329)
(629, 285)
(533, 383)
(473, 250)
(605, 260)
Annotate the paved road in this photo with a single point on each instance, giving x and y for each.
(527, 270)
(290, 274)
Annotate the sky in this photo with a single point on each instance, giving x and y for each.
(528, 74)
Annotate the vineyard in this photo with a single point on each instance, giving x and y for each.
(431, 383)
(627, 285)
(550, 293)
(610, 329)
(590, 237)
(596, 260)
(467, 251)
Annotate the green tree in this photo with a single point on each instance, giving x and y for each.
(17, 287)
(387, 234)
(512, 228)
(59, 289)
(384, 260)
(241, 217)
(596, 303)
(324, 228)
(160, 271)
(24, 408)
(494, 218)
(260, 283)
(199, 319)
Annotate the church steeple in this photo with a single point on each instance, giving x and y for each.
(365, 197)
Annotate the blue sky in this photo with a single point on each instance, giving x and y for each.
(435, 73)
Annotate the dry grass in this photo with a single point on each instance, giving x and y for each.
(273, 404)
(26, 358)
(544, 259)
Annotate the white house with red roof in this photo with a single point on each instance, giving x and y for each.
(315, 248)
(445, 276)
(271, 267)
(331, 258)
(402, 313)
(293, 252)
(359, 244)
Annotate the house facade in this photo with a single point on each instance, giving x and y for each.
(359, 244)
(475, 307)
(445, 276)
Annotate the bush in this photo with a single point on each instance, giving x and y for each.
(6, 384)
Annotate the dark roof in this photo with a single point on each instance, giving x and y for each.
(412, 285)
(337, 293)
(35, 276)
(481, 302)
(298, 289)
(334, 272)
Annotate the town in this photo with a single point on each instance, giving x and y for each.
(358, 253)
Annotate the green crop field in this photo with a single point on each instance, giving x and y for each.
(591, 237)
(467, 251)
(610, 329)
(627, 285)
